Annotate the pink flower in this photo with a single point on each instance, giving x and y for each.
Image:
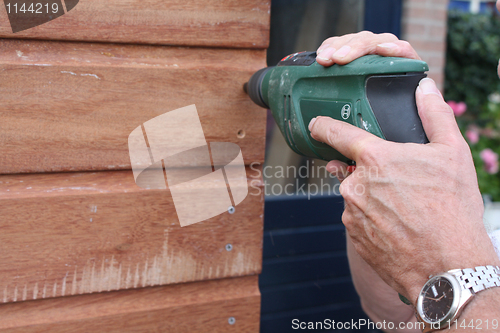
(472, 135)
(490, 159)
(458, 108)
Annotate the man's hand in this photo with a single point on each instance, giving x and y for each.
(344, 49)
(411, 209)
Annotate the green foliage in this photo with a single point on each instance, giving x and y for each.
(490, 119)
(471, 76)
(473, 50)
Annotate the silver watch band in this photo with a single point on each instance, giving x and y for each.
(480, 278)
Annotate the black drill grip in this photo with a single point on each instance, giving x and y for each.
(392, 99)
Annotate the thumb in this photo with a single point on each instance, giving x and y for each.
(437, 117)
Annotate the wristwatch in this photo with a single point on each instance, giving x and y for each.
(445, 295)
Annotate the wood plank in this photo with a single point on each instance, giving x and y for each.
(307, 240)
(296, 269)
(221, 23)
(64, 234)
(72, 106)
(307, 295)
(343, 312)
(190, 307)
(286, 212)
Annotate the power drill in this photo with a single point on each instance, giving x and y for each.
(374, 93)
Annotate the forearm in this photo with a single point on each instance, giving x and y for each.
(378, 299)
(480, 314)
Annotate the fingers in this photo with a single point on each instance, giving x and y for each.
(437, 117)
(347, 139)
(344, 49)
(399, 48)
(338, 169)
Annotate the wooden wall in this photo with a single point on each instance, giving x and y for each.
(83, 248)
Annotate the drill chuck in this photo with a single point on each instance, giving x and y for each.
(254, 87)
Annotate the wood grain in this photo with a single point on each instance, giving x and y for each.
(72, 106)
(221, 23)
(190, 307)
(64, 234)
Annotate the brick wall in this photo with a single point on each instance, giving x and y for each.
(424, 26)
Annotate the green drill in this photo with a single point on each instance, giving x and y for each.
(374, 93)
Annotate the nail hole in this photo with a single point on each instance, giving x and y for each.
(229, 247)
(231, 320)
(241, 134)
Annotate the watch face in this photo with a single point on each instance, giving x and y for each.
(437, 299)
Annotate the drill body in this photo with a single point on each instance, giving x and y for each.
(374, 93)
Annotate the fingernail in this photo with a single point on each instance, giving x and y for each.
(344, 50)
(311, 123)
(388, 45)
(332, 168)
(428, 86)
(326, 54)
(321, 48)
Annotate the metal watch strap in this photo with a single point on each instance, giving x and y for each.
(471, 281)
(478, 279)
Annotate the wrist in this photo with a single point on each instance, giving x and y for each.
(480, 314)
(455, 258)
(444, 297)
(485, 299)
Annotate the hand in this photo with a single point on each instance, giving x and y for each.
(412, 210)
(344, 49)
